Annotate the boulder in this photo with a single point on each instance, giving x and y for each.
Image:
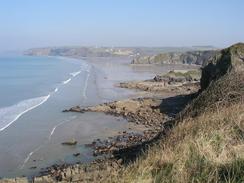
(70, 143)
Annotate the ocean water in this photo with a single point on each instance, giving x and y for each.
(33, 93)
(27, 82)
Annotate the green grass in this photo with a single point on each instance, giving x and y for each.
(194, 74)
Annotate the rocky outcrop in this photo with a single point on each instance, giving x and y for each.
(15, 180)
(227, 60)
(70, 143)
(222, 81)
(178, 81)
(179, 76)
(191, 57)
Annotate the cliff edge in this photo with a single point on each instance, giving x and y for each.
(189, 57)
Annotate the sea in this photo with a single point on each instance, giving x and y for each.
(27, 82)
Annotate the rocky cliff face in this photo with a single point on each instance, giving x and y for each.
(222, 81)
(227, 60)
(192, 57)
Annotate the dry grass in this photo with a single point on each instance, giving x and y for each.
(208, 148)
(194, 74)
(206, 144)
(228, 89)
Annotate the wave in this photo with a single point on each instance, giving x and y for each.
(66, 81)
(86, 85)
(54, 128)
(75, 73)
(29, 156)
(56, 90)
(85, 67)
(9, 115)
(49, 138)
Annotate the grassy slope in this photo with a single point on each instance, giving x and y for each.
(207, 148)
(206, 145)
(194, 74)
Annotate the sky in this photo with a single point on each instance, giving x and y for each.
(28, 23)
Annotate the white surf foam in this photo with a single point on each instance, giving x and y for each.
(75, 73)
(86, 85)
(50, 136)
(29, 156)
(66, 81)
(55, 127)
(85, 67)
(9, 115)
(86, 81)
(56, 90)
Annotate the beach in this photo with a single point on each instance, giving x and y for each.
(34, 141)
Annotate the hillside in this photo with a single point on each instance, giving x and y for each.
(206, 144)
(81, 52)
(189, 57)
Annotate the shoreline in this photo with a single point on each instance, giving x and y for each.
(127, 134)
(36, 118)
(45, 98)
(126, 146)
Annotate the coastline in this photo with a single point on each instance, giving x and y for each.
(36, 100)
(126, 146)
(135, 95)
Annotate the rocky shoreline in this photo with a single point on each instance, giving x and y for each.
(156, 115)
(149, 114)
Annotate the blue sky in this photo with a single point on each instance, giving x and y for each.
(30, 23)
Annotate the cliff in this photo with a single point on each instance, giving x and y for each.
(79, 52)
(228, 60)
(205, 143)
(76, 52)
(222, 81)
(190, 57)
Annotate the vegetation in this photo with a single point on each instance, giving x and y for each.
(207, 142)
(193, 74)
(208, 148)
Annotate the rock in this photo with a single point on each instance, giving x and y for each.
(68, 172)
(15, 180)
(221, 82)
(21, 180)
(76, 154)
(229, 59)
(120, 161)
(70, 143)
(43, 179)
(74, 109)
(113, 149)
(121, 144)
(190, 57)
(59, 177)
